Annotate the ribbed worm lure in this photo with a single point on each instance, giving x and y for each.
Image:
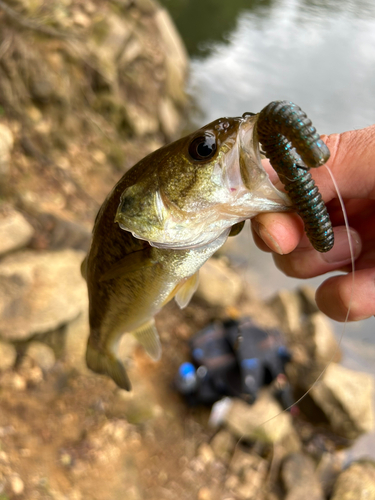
(293, 146)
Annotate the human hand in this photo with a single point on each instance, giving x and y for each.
(352, 163)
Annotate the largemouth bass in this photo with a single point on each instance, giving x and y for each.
(161, 222)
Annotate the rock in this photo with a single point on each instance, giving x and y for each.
(205, 453)
(298, 474)
(356, 483)
(15, 231)
(132, 50)
(219, 285)
(42, 355)
(345, 396)
(76, 336)
(309, 337)
(257, 422)
(30, 6)
(326, 346)
(110, 35)
(117, 430)
(57, 233)
(8, 356)
(34, 114)
(13, 380)
(6, 146)
(329, 467)
(39, 292)
(81, 19)
(141, 121)
(169, 118)
(307, 295)
(205, 494)
(176, 56)
(290, 443)
(16, 484)
(288, 307)
(249, 472)
(223, 444)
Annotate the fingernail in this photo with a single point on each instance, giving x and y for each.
(261, 231)
(340, 252)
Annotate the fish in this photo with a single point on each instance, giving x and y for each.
(160, 223)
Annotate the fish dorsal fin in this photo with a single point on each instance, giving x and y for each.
(147, 335)
(129, 264)
(185, 293)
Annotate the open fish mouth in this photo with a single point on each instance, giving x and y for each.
(238, 186)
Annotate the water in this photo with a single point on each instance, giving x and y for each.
(321, 57)
(319, 54)
(246, 53)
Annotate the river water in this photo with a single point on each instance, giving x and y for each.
(319, 54)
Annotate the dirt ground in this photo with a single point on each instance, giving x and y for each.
(75, 435)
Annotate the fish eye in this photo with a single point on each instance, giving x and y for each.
(203, 148)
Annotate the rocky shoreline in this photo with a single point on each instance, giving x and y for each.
(95, 87)
(51, 402)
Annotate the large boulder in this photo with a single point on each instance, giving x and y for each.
(219, 285)
(345, 397)
(40, 292)
(299, 476)
(15, 231)
(308, 333)
(6, 146)
(356, 483)
(264, 420)
(247, 475)
(7, 356)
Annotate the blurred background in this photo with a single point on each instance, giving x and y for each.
(88, 88)
(247, 53)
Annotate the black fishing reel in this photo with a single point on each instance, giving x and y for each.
(234, 358)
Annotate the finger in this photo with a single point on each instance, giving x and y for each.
(366, 260)
(280, 232)
(352, 156)
(258, 240)
(334, 296)
(307, 262)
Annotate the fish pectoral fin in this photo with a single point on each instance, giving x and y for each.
(236, 228)
(147, 335)
(187, 290)
(129, 264)
(106, 363)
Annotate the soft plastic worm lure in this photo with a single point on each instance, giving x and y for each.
(293, 146)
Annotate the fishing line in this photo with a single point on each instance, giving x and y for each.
(347, 314)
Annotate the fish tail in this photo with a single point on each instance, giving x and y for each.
(106, 363)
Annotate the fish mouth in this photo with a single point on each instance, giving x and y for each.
(240, 189)
(265, 197)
